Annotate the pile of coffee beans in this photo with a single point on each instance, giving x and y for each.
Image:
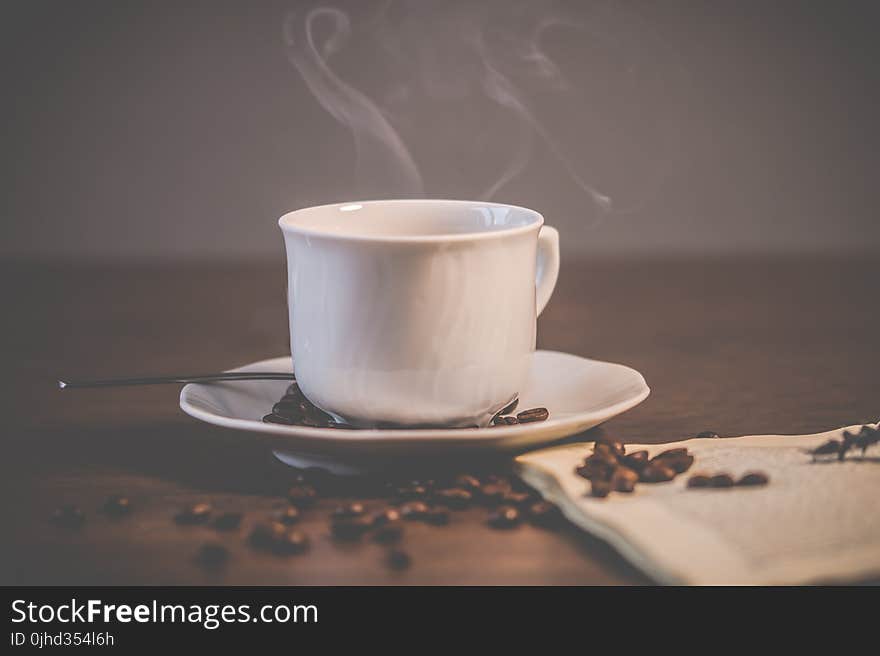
(867, 437)
(611, 469)
(368, 509)
(294, 409)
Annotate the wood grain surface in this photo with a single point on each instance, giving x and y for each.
(738, 346)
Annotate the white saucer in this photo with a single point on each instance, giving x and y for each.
(579, 393)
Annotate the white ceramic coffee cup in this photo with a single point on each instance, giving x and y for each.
(416, 312)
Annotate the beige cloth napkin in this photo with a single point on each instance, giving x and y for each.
(814, 522)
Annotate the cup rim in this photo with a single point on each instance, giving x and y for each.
(290, 228)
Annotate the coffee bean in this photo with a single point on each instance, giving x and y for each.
(721, 480)
(302, 496)
(519, 499)
(699, 480)
(355, 509)
(597, 467)
(349, 529)
(467, 482)
(289, 515)
(414, 510)
(228, 521)
(279, 539)
(278, 419)
(492, 493)
(635, 461)
(414, 492)
(456, 498)
(117, 506)
(198, 513)
(679, 464)
(624, 480)
(671, 453)
(656, 472)
(707, 434)
(397, 559)
(387, 516)
(532, 414)
(436, 517)
(212, 556)
(754, 478)
(600, 488)
(389, 533)
(504, 517)
(617, 449)
(292, 542)
(545, 514)
(68, 516)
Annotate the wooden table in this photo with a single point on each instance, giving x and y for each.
(738, 346)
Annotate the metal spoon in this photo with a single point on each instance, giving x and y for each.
(158, 380)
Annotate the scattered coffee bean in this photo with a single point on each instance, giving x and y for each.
(212, 556)
(467, 482)
(492, 493)
(349, 529)
(754, 478)
(721, 480)
(68, 516)
(413, 492)
(600, 488)
(389, 533)
(198, 513)
(387, 516)
(398, 559)
(545, 514)
(414, 510)
(707, 434)
(624, 480)
(302, 496)
(699, 480)
(518, 499)
(292, 542)
(504, 517)
(278, 419)
(279, 539)
(228, 521)
(656, 472)
(289, 515)
(454, 497)
(349, 511)
(532, 414)
(117, 506)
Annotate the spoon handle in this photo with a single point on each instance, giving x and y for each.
(158, 380)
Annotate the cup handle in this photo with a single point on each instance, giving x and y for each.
(548, 266)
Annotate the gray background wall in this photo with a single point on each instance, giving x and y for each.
(136, 129)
